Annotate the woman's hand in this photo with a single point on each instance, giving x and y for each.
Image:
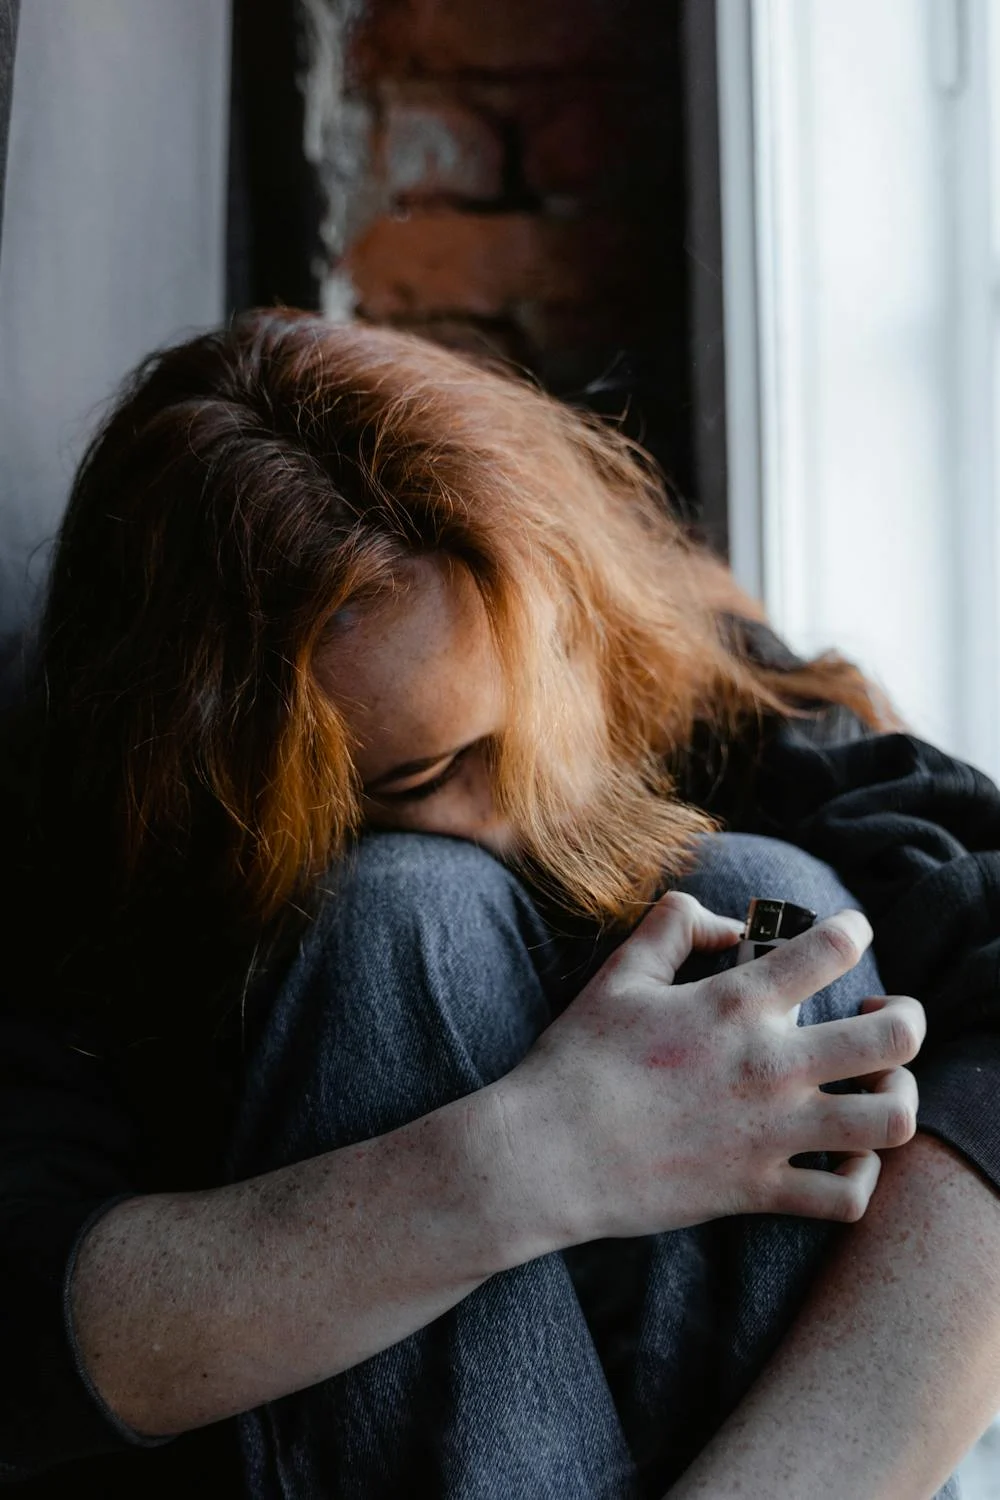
(650, 1105)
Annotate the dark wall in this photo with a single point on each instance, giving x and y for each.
(274, 250)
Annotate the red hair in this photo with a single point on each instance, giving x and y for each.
(253, 481)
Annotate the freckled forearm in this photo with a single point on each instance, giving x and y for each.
(892, 1369)
(190, 1307)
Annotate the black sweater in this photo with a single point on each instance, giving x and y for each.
(913, 833)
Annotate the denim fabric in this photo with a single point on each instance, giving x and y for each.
(596, 1374)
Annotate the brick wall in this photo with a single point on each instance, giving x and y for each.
(520, 187)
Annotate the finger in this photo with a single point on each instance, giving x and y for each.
(869, 1006)
(859, 1045)
(876, 1083)
(802, 966)
(843, 1194)
(878, 1121)
(672, 929)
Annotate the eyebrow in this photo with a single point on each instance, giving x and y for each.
(413, 767)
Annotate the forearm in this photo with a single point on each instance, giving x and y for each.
(190, 1307)
(892, 1369)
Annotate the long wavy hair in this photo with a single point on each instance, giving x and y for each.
(254, 481)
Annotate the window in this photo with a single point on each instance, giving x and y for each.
(861, 224)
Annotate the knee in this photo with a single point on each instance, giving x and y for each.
(422, 932)
(414, 985)
(734, 867)
(418, 882)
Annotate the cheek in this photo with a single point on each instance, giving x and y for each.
(463, 809)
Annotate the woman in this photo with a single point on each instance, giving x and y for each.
(317, 588)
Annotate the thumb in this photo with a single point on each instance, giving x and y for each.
(676, 926)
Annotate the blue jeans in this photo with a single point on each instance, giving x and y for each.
(595, 1374)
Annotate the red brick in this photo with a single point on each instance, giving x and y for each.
(595, 139)
(405, 36)
(440, 150)
(429, 263)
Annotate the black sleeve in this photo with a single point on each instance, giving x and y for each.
(915, 835)
(67, 1153)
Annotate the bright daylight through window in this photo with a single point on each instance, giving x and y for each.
(861, 196)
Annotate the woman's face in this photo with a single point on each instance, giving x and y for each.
(417, 680)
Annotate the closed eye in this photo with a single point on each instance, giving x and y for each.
(426, 788)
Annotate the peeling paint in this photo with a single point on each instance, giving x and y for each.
(338, 297)
(337, 141)
(428, 149)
